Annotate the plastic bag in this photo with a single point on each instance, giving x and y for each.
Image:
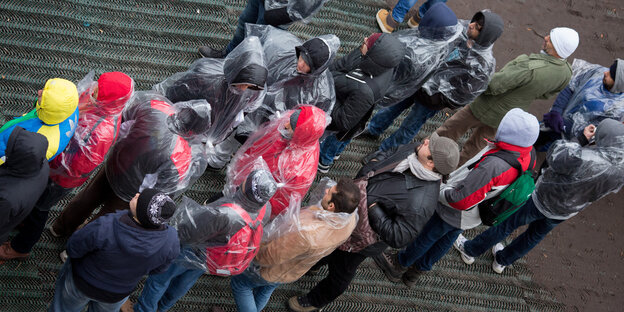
(298, 10)
(163, 148)
(425, 53)
(96, 131)
(590, 102)
(462, 80)
(293, 162)
(216, 236)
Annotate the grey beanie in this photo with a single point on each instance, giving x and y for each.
(518, 128)
(445, 153)
(293, 118)
(607, 132)
(260, 186)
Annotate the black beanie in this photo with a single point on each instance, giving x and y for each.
(314, 52)
(294, 117)
(613, 69)
(154, 208)
(260, 186)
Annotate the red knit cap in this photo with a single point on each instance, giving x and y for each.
(371, 40)
(113, 86)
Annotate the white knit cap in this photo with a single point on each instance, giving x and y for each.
(565, 40)
(518, 128)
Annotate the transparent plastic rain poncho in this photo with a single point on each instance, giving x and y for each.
(425, 53)
(297, 239)
(293, 162)
(461, 80)
(214, 80)
(97, 130)
(578, 176)
(298, 10)
(590, 102)
(208, 232)
(160, 146)
(286, 88)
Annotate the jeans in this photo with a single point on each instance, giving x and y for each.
(403, 6)
(254, 14)
(162, 291)
(330, 148)
(409, 127)
(251, 292)
(33, 225)
(539, 226)
(67, 298)
(431, 245)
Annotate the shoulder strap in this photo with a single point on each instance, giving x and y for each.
(507, 156)
(245, 215)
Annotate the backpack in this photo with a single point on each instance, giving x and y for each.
(498, 208)
(234, 257)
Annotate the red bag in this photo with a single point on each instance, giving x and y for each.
(235, 257)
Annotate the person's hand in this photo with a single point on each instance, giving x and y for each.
(589, 132)
(554, 121)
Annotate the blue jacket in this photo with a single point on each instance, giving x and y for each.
(113, 256)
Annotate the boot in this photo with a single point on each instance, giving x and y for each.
(411, 276)
(414, 20)
(385, 21)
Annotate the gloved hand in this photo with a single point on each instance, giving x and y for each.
(554, 121)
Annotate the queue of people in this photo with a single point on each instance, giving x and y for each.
(276, 110)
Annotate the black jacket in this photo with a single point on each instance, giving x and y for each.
(360, 82)
(404, 202)
(23, 177)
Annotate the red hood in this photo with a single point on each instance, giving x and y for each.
(114, 90)
(310, 126)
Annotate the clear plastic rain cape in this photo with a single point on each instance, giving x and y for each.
(292, 158)
(222, 237)
(286, 88)
(160, 146)
(590, 102)
(97, 130)
(461, 79)
(214, 80)
(298, 10)
(425, 52)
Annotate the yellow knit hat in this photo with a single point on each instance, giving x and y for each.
(58, 101)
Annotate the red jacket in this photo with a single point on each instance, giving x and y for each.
(97, 130)
(292, 162)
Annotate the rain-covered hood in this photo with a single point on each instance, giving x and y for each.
(385, 54)
(25, 153)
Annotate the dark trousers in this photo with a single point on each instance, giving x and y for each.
(97, 192)
(342, 266)
(32, 227)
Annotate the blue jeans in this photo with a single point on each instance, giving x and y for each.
(67, 298)
(431, 245)
(409, 127)
(403, 6)
(539, 226)
(254, 14)
(251, 292)
(162, 291)
(330, 148)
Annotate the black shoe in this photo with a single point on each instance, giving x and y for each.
(369, 157)
(301, 304)
(206, 51)
(324, 168)
(410, 277)
(388, 262)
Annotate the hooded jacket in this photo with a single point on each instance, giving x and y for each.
(292, 162)
(586, 100)
(466, 188)
(580, 175)
(214, 80)
(55, 117)
(290, 11)
(97, 130)
(113, 256)
(464, 76)
(156, 151)
(361, 81)
(22, 178)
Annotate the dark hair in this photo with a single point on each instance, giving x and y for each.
(347, 196)
(479, 18)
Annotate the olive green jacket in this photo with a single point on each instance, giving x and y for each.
(518, 84)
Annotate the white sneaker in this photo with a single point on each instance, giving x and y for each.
(459, 245)
(63, 256)
(495, 266)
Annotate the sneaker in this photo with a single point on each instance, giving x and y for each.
(336, 157)
(301, 304)
(323, 168)
(385, 21)
(459, 245)
(388, 262)
(495, 266)
(63, 256)
(414, 20)
(411, 276)
(8, 253)
(206, 51)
